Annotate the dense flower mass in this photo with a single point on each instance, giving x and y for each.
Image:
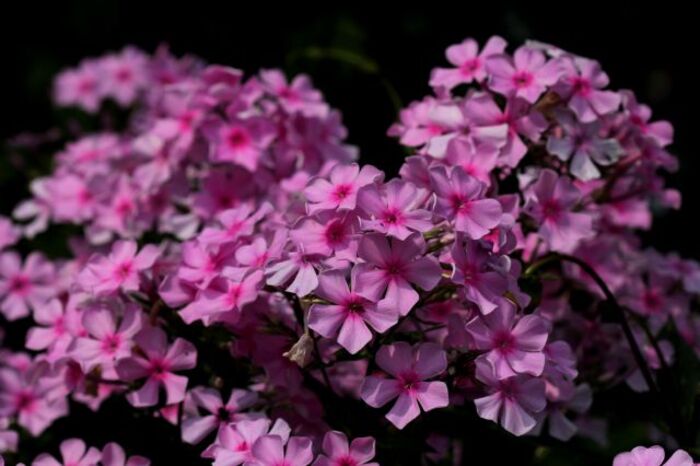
(500, 273)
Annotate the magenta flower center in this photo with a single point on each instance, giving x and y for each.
(335, 233)
(25, 401)
(20, 284)
(652, 300)
(342, 191)
(111, 343)
(469, 67)
(459, 203)
(551, 209)
(581, 86)
(354, 305)
(346, 461)
(408, 380)
(238, 138)
(124, 75)
(392, 216)
(159, 368)
(123, 270)
(503, 341)
(522, 79)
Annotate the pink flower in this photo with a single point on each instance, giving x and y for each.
(661, 132)
(391, 266)
(410, 367)
(460, 198)
(269, 450)
(328, 234)
(582, 85)
(120, 270)
(235, 223)
(195, 427)
(56, 330)
(526, 75)
(299, 96)
(234, 442)
(513, 345)
(9, 233)
(157, 363)
(124, 75)
(80, 87)
(24, 286)
(469, 64)
(474, 270)
(585, 147)
(337, 452)
(351, 309)
(243, 142)
(106, 342)
(522, 121)
(511, 402)
(652, 456)
(113, 455)
(340, 191)
(228, 294)
(74, 452)
(551, 201)
(394, 210)
(426, 120)
(476, 160)
(31, 397)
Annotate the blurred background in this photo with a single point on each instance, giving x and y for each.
(644, 49)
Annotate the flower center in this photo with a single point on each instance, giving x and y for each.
(522, 79)
(470, 66)
(342, 191)
(20, 284)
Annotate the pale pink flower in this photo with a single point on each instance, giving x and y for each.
(337, 452)
(392, 266)
(120, 270)
(526, 75)
(24, 286)
(511, 402)
(652, 456)
(113, 455)
(351, 309)
(473, 269)
(270, 450)
(157, 363)
(243, 142)
(299, 96)
(195, 426)
(74, 452)
(470, 65)
(462, 200)
(410, 367)
(582, 84)
(234, 442)
(340, 190)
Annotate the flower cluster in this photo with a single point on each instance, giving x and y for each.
(230, 218)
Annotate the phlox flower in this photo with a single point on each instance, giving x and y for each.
(551, 201)
(477, 160)
(582, 83)
(474, 270)
(661, 132)
(299, 96)
(74, 452)
(652, 456)
(204, 262)
(526, 75)
(350, 310)
(57, 329)
(24, 286)
(462, 200)
(513, 345)
(119, 271)
(80, 87)
(270, 450)
(337, 451)
(113, 455)
(410, 368)
(339, 191)
(425, 120)
(234, 223)
(511, 402)
(124, 75)
(469, 64)
(9, 233)
(234, 441)
(391, 266)
(395, 209)
(243, 142)
(328, 234)
(195, 426)
(157, 363)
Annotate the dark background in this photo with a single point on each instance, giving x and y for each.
(649, 50)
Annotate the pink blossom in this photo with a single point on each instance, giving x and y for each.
(351, 309)
(337, 452)
(652, 456)
(270, 450)
(340, 190)
(461, 199)
(105, 342)
(511, 402)
(24, 286)
(9, 233)
(120, 270)
(425, 120)
(661, 132)
(57, 329)
(391, 266)
(195, 427)
(551, 202)
(473, 269)
(243, 142)
(582, 84)
(394, 210)
(235, 223)
(513, 345)
(157, 363)
(328, 234)
(113, 455)
(80, 87)
(74, 452)
(526, 75)
(297, 96)
(410, 367)
(234, 442)
(228, 294)
(124, 75)
(469, 63)
(476, 160)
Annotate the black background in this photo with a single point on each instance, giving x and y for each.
(651, 50)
